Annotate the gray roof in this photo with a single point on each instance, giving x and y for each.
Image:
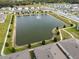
(19, 55)
(72, 47)
(57, 53)
(43, 52)
(69, 48)
(49, 52)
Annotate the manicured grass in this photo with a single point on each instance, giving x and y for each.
(9, 39)
(74, 31)
(3, 29)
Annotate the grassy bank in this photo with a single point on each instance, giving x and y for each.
(9, 38)
(74, 32)
(3, 29)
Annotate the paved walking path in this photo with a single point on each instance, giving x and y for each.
(60, 35)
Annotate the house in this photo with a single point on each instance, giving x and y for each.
(67, 49)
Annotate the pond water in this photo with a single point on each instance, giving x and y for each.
(30, 29)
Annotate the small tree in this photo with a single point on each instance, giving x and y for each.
(43, 42)
(8, 36)
(57, 28)
(10, 30)
(11, 22)
(29, 45)
(55, 39)
(58, 32)
(71, 24)
(6, 44)
(13, 50)
(64, 26)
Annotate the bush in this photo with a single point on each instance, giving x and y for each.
(29, 45)
(11, 22)
(55, 39)
(10, 30)
(6, 44)
(8, 36)
(64, 26)
(13, 50)
(43, 42)
(58, 33)
(57, 28)
(71, 24)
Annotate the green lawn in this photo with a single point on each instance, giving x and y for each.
(9, 39)
(74, 31)
(3, 29)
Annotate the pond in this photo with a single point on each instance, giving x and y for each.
(30, 29)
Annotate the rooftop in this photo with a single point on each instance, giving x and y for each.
(67, 49)
(72, 47)
(19, 55)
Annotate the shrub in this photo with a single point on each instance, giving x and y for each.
(6, 44)
(55, 39)
(13, 50)
(43, 42)
(29, 45)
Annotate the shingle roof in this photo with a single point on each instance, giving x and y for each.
(72, 47)
(69, 49)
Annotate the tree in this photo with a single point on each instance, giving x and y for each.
(29, 45)
(43, 42)
(71, 24)
(13, 50)
(58, 32)
(8, 36)
(10, 30)
(11, 22)
(6, 44)
(55, 39)
(64, 26)
(57, 28)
